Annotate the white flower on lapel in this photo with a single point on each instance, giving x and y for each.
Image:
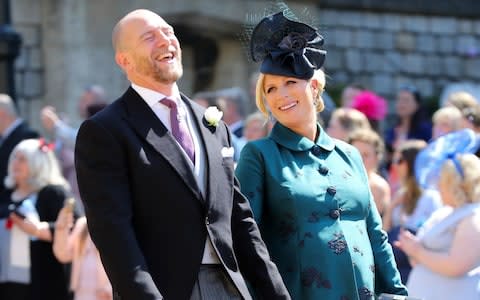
(213, 116)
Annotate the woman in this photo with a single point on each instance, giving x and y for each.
(371, 147)
(344, 121)
(411, 205)
(88, 279)
(37, 194)
(411, 120)
(446, 250)
(324, 236)
(445, 120)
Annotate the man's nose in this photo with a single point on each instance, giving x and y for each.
(163, 39)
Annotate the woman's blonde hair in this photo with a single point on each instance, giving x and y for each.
(351, 119)
(42, 164)
(451, 114)
(462, 175)
(370, 137)
(318, 75)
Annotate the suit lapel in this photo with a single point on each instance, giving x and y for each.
(147, 125)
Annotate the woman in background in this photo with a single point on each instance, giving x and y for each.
(344, 121)
(446, 250)
(88, 279)
(38, 193)
(411, 205)
(372, 149)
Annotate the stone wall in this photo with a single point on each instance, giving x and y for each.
(67, 46)
(385, 50)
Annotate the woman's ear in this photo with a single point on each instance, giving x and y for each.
(314, 84)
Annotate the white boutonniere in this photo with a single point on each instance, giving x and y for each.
(213, 116)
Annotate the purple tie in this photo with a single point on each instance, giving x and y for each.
(180, 129)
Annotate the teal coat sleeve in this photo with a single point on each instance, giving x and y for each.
(387, 278)
(251, 174)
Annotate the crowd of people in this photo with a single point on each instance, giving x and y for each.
(175, 200)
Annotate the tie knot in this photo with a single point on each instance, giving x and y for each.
(168, 102)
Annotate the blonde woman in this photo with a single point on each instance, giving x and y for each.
(446, 251)
(324, 236)
(37, 193)
(445, 120)
(344, 121)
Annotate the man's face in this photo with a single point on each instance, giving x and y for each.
(154, 50)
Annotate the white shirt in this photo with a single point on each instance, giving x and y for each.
(152, 98)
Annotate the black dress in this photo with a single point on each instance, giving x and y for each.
(49, 279)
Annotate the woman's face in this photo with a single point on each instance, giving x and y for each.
(399, 165)
(291, 100)
(369, 156)
(441, 127)
(405, 105)
(446, 193)
(20, 170)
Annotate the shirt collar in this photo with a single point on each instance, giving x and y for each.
(153, 97)
(293, 141)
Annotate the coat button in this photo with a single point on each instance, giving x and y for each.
(334, 214)
(331, 190)
(316, 150)
(323, 170)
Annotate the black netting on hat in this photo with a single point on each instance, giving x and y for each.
(286, 47)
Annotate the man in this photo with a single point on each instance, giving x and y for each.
(91, 100)
(92, 96)
(232, 102)
(167, 216)
(13, 130)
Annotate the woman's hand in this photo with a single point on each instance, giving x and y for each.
(408, 243)
(64, 219)
(32, 227)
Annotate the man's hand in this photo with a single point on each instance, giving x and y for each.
(49, 118)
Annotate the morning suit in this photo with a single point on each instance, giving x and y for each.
(20, 133)
(317, 216)
(146, 213)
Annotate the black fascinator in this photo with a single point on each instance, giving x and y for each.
(286, 47)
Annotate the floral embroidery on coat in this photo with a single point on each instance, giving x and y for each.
(338, 244)
(287, 227)
(365, 293)
(311, 275)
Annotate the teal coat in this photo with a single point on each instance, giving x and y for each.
(317, 216)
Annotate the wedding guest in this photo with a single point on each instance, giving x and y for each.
(445, 253)
(37, 193)
(324, 235)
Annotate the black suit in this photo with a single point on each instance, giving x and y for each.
(20, 133)
(147, 215)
